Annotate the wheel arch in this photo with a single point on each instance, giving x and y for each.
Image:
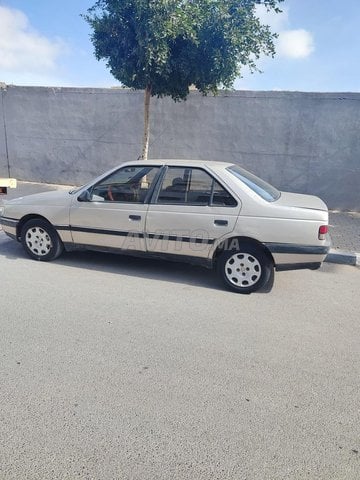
(231, 242)
(26, 218)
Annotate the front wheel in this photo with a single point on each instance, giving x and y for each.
(246, 269)
(40, 240)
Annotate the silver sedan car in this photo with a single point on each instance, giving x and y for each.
(213, 213)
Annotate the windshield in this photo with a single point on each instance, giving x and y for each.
(262, 188)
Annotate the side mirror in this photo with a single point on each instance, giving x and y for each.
(84, 196)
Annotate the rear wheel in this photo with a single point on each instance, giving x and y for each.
(40, 240)
(245, 269)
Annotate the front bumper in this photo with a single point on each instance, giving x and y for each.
(9, 226)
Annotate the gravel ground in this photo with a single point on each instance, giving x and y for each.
(345, 231)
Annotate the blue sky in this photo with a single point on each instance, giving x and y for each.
(46, 42)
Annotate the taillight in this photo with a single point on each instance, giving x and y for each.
(323, 230)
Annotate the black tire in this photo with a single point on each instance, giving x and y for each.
(40, 240)
(246, 269)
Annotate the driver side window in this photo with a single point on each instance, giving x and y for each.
(126, 185)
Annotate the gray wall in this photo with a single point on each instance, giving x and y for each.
(303, 142)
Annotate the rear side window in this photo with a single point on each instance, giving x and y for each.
(193, 186)
(262, 188)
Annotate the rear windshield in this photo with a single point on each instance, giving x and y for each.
(263, 189)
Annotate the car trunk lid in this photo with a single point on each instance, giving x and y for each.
(298, 200)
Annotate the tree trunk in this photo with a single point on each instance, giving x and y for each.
(145, 150)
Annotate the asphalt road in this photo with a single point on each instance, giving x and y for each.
(120, 368)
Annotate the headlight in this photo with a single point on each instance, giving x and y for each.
(2, 209)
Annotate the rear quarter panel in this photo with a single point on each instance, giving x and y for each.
(269, 223)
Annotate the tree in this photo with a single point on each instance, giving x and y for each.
(165, 46)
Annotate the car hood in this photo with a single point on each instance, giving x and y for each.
(298, 200)
(53, 198)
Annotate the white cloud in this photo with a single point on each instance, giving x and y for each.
(295, 43)
(22, 49)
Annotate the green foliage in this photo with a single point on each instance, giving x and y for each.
(169, 45)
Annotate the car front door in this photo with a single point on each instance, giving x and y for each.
(189, 212)
(111, 214)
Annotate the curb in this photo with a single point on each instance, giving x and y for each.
(343, 257)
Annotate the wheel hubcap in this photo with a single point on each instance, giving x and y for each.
(243, 270)
(38, 241)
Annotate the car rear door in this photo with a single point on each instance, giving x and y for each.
(189, 212)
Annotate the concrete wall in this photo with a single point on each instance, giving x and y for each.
(304, 142)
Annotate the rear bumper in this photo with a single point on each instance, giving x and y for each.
(294, 257)
(298, 266)
(293, 249)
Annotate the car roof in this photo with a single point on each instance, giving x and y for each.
(182, 162)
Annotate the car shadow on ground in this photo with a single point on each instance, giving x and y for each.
(155, 269)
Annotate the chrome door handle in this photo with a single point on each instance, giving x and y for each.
(135, 218)
(221, 223)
